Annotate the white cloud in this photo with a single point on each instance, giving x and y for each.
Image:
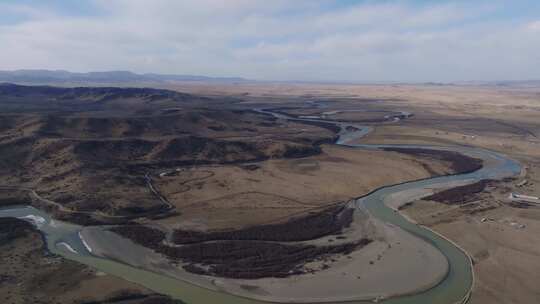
(534, 26)
(276, 40)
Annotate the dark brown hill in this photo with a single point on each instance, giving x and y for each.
(46, 98)
(94, 93)
(89, 149)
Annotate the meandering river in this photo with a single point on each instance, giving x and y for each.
(65, 239)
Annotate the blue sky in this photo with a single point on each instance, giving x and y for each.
(330, 40)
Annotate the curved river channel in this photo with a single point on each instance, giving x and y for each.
(65, 239)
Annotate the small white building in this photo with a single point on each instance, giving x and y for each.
(525, 198)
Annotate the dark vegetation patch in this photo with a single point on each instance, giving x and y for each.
(12, 228)
(249, 253)
(82, 219)
(142, 235)
(74, 126)
(7, 123)
(181, 150)
(211, 149)
(138, 211)
(254, 259)
(112, 150)
(204, 151)
(300, 151)
(459, 163)
(267, 124)
(326, 125)
(4, 202)
(330, 221)
(7, 279)
(14, 153)
(283, 111)
(13, 198)
(130, 297)
(86, 204)
(459, 195)
(217, 128)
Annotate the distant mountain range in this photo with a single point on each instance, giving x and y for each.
(60, 76)
(502, 83)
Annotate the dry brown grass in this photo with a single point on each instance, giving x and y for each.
(230, 196)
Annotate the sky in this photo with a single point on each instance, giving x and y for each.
(311, 40)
